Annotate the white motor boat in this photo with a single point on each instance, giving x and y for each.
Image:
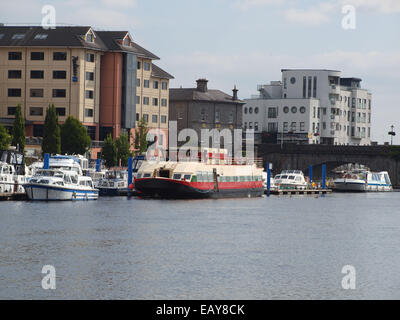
(10, 181)
(363, 180)
(56, 184)
(291, 179)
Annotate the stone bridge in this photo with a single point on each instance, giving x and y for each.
(294, 156)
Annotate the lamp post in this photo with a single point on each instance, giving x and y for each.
(392, 134)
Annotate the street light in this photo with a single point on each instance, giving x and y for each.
(392, 134)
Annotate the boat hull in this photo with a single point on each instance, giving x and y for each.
(112, 192)
(50, 193)
(174, 189)
(350, 186)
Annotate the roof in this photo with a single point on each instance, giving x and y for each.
(192, 94)
(282, 70)
(70, 37)
(160, 73)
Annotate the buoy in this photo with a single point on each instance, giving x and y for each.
(131, 186)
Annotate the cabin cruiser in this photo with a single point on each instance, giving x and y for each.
(291, 179)
(363, 180)
(115, 183)
(10, 180)
(56, 184)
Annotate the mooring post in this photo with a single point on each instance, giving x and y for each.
(98, 165)
(268, 179)
(324, 176)
(130, 173)
(46, 161)
(310, 174)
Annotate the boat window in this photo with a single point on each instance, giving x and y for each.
(210, 177)
(291, 178)
(120, 184)
(242, 179)
(74, 179)
(228, 179)
(44, 181)
(164, 174)
(187, 176)
(194, 179)
(139, 175)
(298, 179)
(176, 176)
(235, 178)
(146, 175)
(277, 177)
(60, 183)
(82, 183)
(387, 179)
(284, 177)
(199, 176)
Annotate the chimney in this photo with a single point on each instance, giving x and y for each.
(234, 90)
(202, 85)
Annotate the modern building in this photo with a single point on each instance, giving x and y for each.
(311, 106)
(95, 76)
(202, 108)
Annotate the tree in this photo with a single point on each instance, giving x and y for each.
(5, 138)
(109, 151)
(140, 137)
(18, 131)
(52, 137)
(123, 149)
(74, 137)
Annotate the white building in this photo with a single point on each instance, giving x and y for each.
(311, 106)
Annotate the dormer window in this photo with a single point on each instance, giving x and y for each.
(41, 37)
(18, 36)
(89, 37)
(127, 42)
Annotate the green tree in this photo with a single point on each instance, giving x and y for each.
(123, 149)
(18, 131)
(52, 137)
(5, 138)
(109, 151)
(140, 137)
(74, 137)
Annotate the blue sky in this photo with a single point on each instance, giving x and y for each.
(247, 42)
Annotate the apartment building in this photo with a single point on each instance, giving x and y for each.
(311, 106)
(95, 76)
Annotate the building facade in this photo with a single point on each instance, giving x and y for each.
(202, 108)
(311, 106)
(94, 76)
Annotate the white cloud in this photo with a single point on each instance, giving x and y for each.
(312, 16)
(382, 6)
(246, 4)
(119, 3)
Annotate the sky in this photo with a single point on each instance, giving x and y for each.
(248, 42)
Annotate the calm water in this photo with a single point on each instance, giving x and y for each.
(266, 248)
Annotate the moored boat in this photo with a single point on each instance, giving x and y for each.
(115, 183)
(291, 179)
(363, 181)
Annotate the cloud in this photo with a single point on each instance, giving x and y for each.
(382, 6)
(246, 4)
(312, 16)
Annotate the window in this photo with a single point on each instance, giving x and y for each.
(309, 86)
(89, 37)
(302, 109)
(146, 83)
(1, 35)
(137, 116)
(164, 85)
(137, 99)
(292, 80)
(59, 74)
(245, 110)
(14, 74)
(37, 55)
(18, 36)
(137, 82)
(285, 126)
(40, 36)
(15, 56)
(89, 113)
(163, 102)
(272, 127)
(315, 87)
(146, 117)
(255, 126)
(36, 93)
(11, 111)
(284, 83)
(59, 93)
(155, 101)
(294, 109)
(304, 86)
(138, 65)
(146, 66)
(59, 56)
(272, 113)
(155, 84)
(14, 92)
(250, 110)
(154, 118)
(163, 119)
(285, 109)
(216, 116)
(37, 74)
(302, 126)
(256, 109)
(36, 111)
(146, 100)
(293, 126)
(60, 112)
(90, 76)
(89, 94)
(89, 57)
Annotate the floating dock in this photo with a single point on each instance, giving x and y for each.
(13, 196)
(300, 192)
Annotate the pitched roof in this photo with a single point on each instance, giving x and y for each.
(160, 73)
(192, 94)
(59, 37)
